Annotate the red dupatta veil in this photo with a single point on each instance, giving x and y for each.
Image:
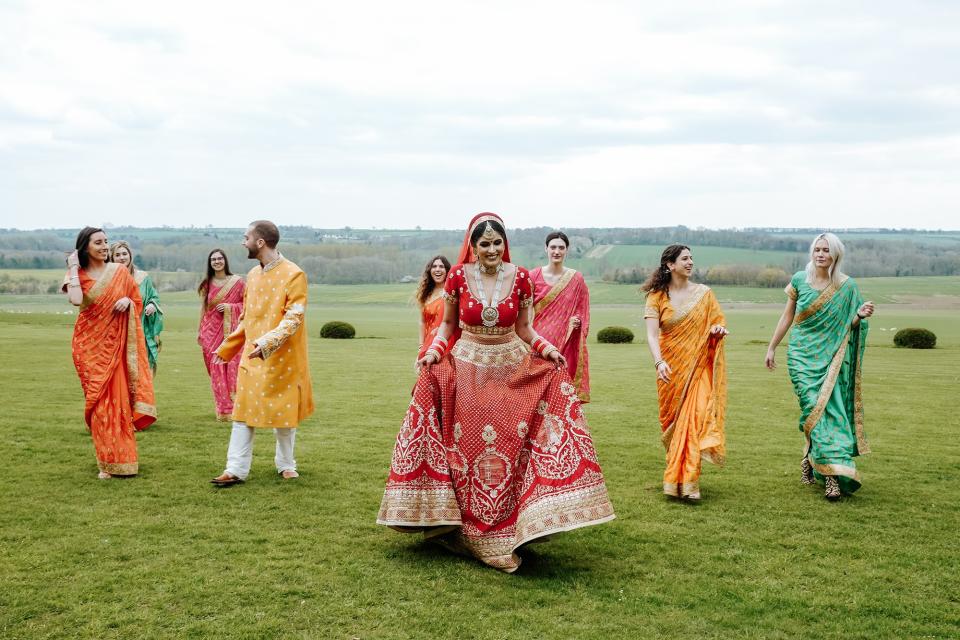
(466, 251)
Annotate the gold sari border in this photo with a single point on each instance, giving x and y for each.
(836, 470)
(863, 447)
(133, 339)
(99, 286)
(826, 389)
(818, 304)
(676, 490)
(555, 290)
(139, 276)
(145, 409)
(119, 468)
(227, 322)
(680, 313)
(224, 290)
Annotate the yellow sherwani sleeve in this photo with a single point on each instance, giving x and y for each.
(294, 308)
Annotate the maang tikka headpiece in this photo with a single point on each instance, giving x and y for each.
(488, 232)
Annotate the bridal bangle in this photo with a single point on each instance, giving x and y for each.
(541, 346)
(438, 348)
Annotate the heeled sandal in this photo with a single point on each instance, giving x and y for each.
(103, 475)
(831, 488)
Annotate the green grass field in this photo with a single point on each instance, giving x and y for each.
(166, 555)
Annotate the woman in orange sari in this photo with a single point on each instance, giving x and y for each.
(561, 306)
(685, 330)
(429, 297)
(221, 301)
(110, 353)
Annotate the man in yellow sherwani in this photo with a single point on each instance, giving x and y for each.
(273, 383)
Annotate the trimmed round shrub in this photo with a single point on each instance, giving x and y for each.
(615, 335)
(337, 330)
(915, 339)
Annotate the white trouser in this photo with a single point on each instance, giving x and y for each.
(240, 452)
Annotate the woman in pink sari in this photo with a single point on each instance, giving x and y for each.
(221, 294)
(561, 307)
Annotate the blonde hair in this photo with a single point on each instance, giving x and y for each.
(117, 245)
(836, 252)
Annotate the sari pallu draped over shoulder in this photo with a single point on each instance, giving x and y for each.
(555, 307)
(215, 326)
(110, 356)
(825, 358)
(693, 403)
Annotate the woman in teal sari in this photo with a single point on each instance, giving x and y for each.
(824, 359)
(152, 318)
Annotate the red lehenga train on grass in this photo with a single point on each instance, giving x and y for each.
(494, 450)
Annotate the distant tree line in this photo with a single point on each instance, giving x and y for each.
(353, 256)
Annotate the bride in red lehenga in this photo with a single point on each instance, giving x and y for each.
(494, 450)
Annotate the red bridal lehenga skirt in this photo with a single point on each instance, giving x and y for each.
(494, 443)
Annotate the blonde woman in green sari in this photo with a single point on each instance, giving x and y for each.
(152, 318)
(824, 358)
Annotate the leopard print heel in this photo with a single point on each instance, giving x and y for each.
(806, 472)
(832, 488)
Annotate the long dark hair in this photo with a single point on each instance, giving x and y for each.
(205, 283)
(427, 285)
(659, 280)
(83, 242)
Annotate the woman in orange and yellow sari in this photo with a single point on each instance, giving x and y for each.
(685, 331)
(110, 353)
(561, 307)
(429, 298)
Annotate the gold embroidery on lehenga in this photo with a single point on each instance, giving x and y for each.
(486, 355)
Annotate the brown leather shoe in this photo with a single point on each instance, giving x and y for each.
(226, 479)
(289, 474)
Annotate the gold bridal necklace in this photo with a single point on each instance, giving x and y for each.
(490, 314)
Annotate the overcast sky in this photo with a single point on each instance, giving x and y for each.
(397, 114)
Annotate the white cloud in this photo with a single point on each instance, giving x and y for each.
(398, 114)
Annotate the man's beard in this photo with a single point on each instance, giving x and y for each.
(252, 254)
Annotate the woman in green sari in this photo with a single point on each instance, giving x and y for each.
(152, 318)
(824, 359)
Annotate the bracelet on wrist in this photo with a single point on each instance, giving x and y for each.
(656, 365)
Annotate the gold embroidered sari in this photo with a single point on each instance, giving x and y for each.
(693, 403)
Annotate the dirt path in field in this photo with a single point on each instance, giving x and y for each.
(599, 251)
